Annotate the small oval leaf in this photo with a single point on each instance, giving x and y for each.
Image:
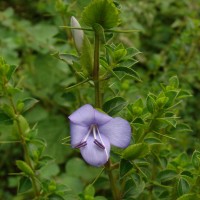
(24, 184)
(150, 104)
(183, 186)
(115, 105)
(24, 167)
(136, 151)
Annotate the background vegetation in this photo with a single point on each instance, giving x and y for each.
(166, 45)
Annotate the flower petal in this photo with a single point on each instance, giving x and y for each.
(118, 131)
(83, 116)
(101, 118)
(77, 133)
(93, 154)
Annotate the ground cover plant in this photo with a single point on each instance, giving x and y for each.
(99, 100)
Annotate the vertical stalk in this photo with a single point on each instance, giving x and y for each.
(98, 104)
(115, 192)
(26, 154)
(98, 101)
(22, 139)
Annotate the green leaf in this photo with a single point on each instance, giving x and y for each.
(136, 151)
(50, 170)
(134, 187)
(76, 85)
(108, 68)
(189, 196)
(8, 110)
(170, 121)
(29, 103)
(89, 191)
(150, 102)
(76, 166)
(196, 159)
(171, 94)
(114, 105)
(153, 140)
(36, 148)
(184, 94)
(86, 58)
(174, 82)
(100, 32)
(5, 119)
(103, 12)
(183, 186)
(139, 103)
(44, 160)
(24, 126)
(125, 167)
(66, 57)
(10, 72)
(55, 197)
(128, 71)
(166, 175)
(119, 54)
(24, 185)
(100, 198)
(161, 101)
(138, 120)
(23, 166)
(183, 127)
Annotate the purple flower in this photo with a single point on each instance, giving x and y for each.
(93, 132)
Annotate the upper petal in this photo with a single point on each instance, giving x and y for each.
(77, 133)
(95, 155)
(83, 116)
(101, 118)
(118, 131)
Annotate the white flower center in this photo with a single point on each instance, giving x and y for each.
(95, 132)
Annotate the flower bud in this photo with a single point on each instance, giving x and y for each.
(78, 35)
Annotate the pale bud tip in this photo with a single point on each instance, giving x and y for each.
(78, 35)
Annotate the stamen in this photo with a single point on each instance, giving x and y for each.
(99, 144)
(87, 135)
(102, 143)
(82, 144)
(94, 132)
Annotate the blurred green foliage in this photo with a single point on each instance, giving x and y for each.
(168, 41)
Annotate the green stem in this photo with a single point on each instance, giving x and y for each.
(25, 148)
(98, 104)
(22, 139)
(98, 101)
(115, 191)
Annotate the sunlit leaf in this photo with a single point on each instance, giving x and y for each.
(125, 167)
(11, 70)
(66, 57)
(24, 185)
(174, 82)
(114, 105)
(136, 151)
(196, 159)
(103, 12)
(29, 103)
(183, 186)
(189, 196)
(5, 119)
(23, 166)
(151, 103)
(128, 71)
(166, 175)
